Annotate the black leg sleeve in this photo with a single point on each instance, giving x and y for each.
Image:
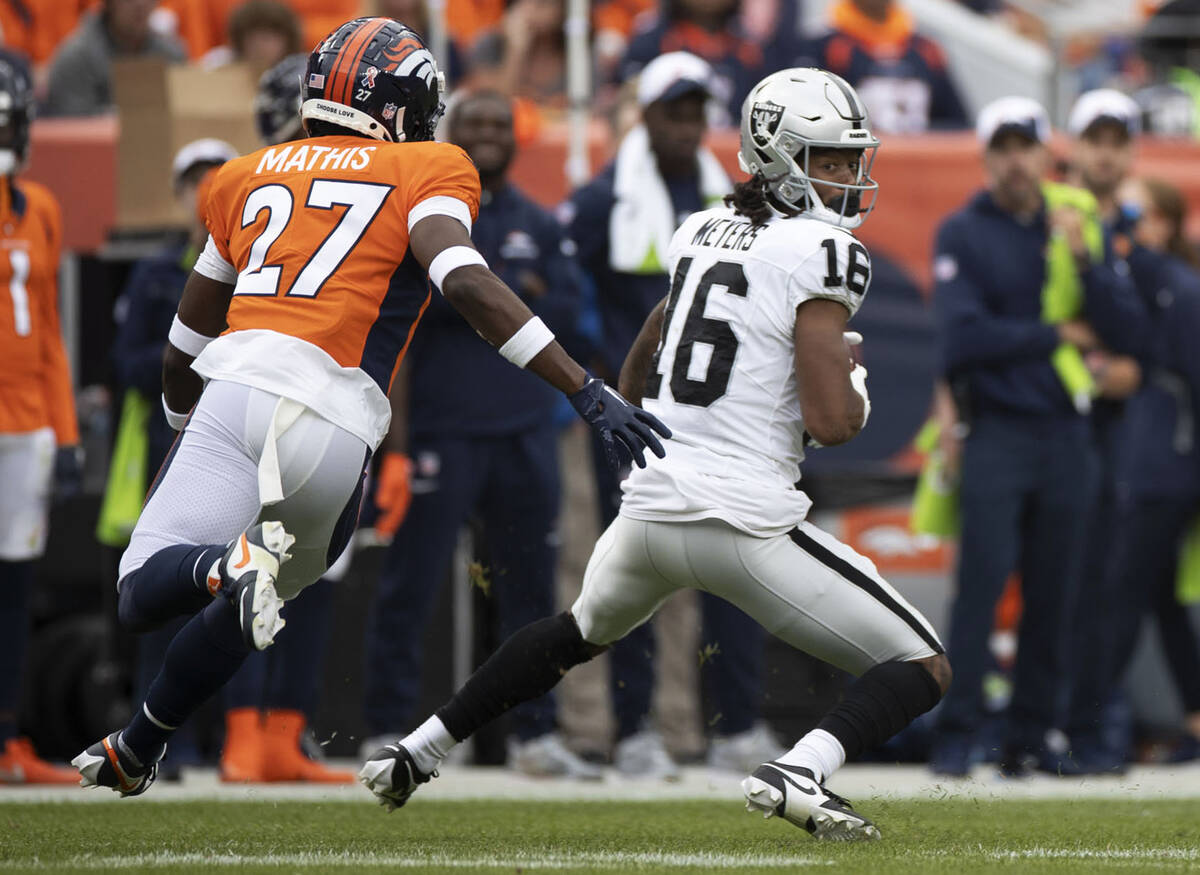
(524, 667)
(879, 704)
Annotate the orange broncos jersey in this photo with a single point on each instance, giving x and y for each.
(317, 230)
(35, 379)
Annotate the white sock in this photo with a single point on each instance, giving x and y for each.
(429, 743)
(819, 752)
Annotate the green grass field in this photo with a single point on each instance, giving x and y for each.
(953, 836)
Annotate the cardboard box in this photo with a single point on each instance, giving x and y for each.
(162, 107)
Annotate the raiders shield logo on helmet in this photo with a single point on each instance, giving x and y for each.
(765, 120)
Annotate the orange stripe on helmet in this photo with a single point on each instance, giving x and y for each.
(341, 77)
(367, 32)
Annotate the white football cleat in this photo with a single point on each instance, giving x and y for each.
(110, 763)
(392, 776)
(248, 572)
(793, 793)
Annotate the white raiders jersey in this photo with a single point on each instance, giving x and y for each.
(723, 377)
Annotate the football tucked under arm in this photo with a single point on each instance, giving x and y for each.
(832, 388)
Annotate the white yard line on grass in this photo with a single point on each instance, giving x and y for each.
(1159, 858)
(862, 783)
(605, 860)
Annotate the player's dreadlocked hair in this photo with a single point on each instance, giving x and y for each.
(749, 199)
(753, 200)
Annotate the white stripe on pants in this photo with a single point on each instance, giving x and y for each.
(637, 564)
(209, 493)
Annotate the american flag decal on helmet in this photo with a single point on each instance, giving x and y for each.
(316, 80)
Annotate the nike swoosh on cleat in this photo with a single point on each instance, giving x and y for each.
(787, 778)
(245, 553)
(113, 760)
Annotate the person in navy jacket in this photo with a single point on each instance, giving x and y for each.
(477, 437)
(1028, 468)
(1160, 468)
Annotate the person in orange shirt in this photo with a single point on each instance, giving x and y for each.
(315, 275)
(37, 407)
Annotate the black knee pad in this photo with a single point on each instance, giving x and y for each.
(127, 613)
(879, 704)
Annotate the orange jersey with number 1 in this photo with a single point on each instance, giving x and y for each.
(35, 378)
(317, 230)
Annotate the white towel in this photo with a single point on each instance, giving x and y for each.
(270, 479)
(643, 219)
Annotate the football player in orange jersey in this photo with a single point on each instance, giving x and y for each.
(317, 269)
(37, 408)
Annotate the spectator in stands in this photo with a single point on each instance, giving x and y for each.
(1103, 124)
(415, 13)
(900, 75)
(1023, 287)
(81, 72)
(204, 24)
(709, 29)
(1161, 468)
(1170, 46)
(613, 23)
(261, 34)
(36, 27)
(527, 56)
(622, 221)
(482, 441)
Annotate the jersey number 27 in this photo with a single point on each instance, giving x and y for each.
(362, 200)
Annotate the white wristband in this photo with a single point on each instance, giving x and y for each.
(858, 379)
(186, 340)
(175, 420)
(451, 258)
(530, 339)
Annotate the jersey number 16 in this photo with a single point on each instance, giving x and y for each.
(698, 328)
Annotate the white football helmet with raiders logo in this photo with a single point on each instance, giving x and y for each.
(793, 111)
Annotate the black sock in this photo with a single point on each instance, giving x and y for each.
(16, 587)
(879, 704)
(171, 583)
(524, 667)
(200, 659)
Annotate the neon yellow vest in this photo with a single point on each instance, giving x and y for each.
(1062, 294)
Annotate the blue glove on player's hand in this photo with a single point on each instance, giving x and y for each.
(619, 423)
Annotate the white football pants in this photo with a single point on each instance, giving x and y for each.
(805, 587)
(26, 469)
(248, 456)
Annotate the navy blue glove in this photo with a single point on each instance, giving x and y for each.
(619, 423)
(68, 473)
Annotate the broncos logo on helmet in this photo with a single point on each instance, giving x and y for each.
(403, 104)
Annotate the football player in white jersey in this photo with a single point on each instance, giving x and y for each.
(747, 359)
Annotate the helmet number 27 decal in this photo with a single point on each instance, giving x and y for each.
(363, 201)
